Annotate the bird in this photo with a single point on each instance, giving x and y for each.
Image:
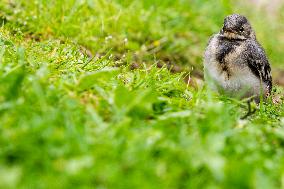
(235, 63)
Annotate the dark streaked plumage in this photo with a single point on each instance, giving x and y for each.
(235, 62)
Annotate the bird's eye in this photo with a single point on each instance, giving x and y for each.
(242, 29)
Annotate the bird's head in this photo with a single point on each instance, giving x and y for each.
(237, 27)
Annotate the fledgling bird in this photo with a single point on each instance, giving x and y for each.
(235, 63)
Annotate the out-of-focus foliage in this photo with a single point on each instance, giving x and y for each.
(174, 32)
(75, 114)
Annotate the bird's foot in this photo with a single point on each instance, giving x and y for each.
(250, 111)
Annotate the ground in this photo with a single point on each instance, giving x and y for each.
(109, 94)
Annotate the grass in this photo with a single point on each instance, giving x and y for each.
(87, 99)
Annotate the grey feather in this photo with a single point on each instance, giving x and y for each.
(235, 63)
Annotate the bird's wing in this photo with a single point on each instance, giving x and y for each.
(258, 63)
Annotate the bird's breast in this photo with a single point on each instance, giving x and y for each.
(225, 65)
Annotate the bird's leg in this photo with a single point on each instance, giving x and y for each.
(250, 111)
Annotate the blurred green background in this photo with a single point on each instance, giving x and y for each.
(92, 95)
(171, 32)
